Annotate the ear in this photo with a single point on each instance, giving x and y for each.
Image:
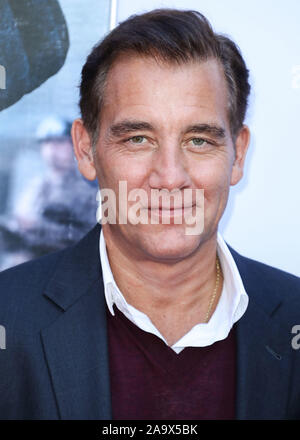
(241, 147)
(83, 150)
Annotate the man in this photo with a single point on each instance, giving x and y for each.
(140, 319)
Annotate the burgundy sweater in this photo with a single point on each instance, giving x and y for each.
(149, 381)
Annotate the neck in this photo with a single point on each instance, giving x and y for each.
(181, 289)
(175, 296)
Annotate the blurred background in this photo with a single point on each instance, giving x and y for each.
(45, 204)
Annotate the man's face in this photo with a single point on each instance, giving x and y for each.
(167, 127)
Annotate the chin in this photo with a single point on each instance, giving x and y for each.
(170, 243)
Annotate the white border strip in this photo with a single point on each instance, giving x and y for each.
(113, 14)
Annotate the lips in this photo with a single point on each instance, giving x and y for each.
(169, 208)
(170, 212)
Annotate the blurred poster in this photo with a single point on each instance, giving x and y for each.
(45, 204)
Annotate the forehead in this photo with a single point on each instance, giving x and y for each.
(162, 90)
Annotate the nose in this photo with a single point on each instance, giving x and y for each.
(168, 169)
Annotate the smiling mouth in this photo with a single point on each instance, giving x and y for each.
(170, 212)
(169, 208)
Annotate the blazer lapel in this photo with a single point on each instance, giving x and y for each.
(75, 344)
(76, 350)
(263, 365)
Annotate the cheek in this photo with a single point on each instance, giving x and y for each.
(214, 177)
(216, 181)
(112, 169)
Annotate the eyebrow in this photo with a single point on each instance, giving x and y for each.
(128, 126)
(214, 130)
(124, 127)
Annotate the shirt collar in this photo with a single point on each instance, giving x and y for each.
(231, 276)
(111, 291)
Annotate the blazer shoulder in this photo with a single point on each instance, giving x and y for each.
(270, 278)
(25, 299)
(32, 270)
(21, 286)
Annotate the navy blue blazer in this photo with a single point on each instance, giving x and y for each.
(55, 364)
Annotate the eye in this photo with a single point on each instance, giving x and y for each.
(198, 142)
(137, 139)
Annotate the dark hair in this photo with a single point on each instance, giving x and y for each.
(172, 36)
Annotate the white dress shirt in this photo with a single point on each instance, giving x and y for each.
(232, 303)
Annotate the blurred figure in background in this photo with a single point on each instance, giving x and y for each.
(56, 208)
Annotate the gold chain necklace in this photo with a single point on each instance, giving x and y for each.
(214, 292)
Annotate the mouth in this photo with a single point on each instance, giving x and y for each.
(170, 211)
